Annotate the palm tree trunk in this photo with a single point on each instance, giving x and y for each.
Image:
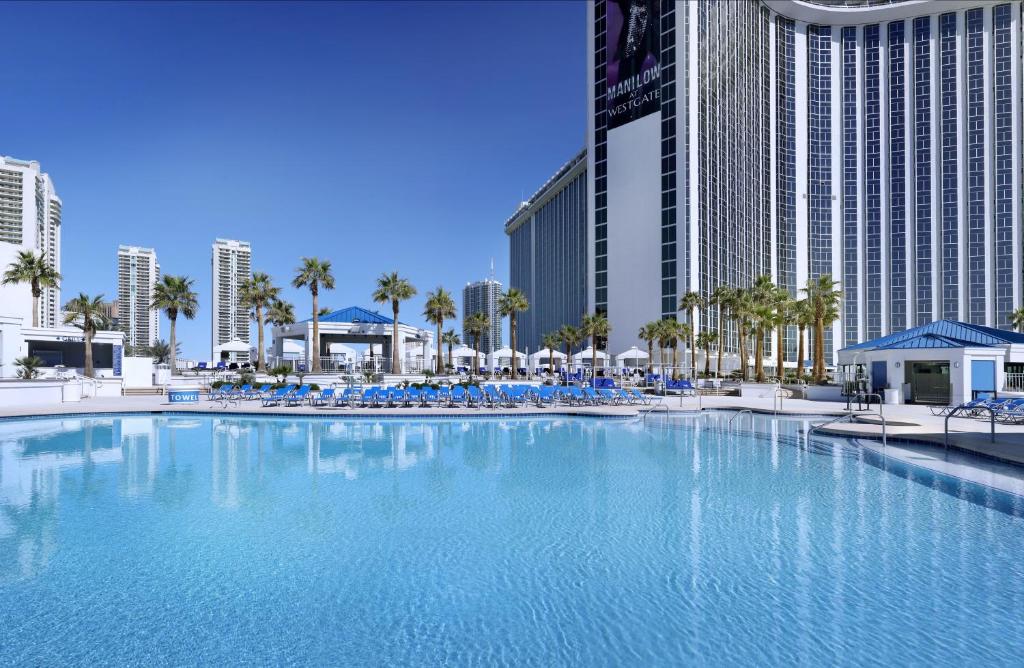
(396, 364)
(35, 303)
(675, 360)
(759, 355)
(174, 346)
(721, 342)
(707, 361)
(476, 354)
(450, 356)
(551, 362)
(693, 345)
(779, 357)
(439, 360)
(261, 363)
(315, 362)
(743, 352)
(512, 336)
(819, 350)
(89, 371)
(800, 353)
(650, 356)
(593, 361)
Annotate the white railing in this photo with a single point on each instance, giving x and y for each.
(1014, 382)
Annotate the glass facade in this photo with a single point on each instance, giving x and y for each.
(872, 185)
(897, 178)
(669, 192)
(785, 163)
(975, 146)
(922, 171)
(950, 168)
(600, 148)
(1002, 107)
(851, 222)
(819, 154)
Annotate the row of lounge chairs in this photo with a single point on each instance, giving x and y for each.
(489, 396)
(1008, 411)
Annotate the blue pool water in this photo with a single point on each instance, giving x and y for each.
(225, 540)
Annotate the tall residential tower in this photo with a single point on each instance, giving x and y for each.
(483, 296)
(232, 265)
(137, 274)
(30, 219)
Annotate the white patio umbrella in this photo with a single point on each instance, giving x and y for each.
(232, 346)
(631, 358)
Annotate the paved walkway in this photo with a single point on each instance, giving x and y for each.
(902, 422)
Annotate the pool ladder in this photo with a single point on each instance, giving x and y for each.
(745, 410)
(850, 417)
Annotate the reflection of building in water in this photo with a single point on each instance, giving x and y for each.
(229, 461)
(140, 447)
(352, 448)
(33, 456)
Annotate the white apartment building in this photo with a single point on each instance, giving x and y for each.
(30, 219)
(483, 296)
(232, 265)
(137, 275)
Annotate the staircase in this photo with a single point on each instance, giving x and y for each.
(142, 391)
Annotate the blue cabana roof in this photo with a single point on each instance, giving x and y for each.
(355, 314)
(942, 334)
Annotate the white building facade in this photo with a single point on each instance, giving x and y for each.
(30, 219)
(232, 266)
(878, 141)
(137, 275)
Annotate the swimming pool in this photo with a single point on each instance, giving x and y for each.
(162, 540)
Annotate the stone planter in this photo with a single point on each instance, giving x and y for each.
(758, 390)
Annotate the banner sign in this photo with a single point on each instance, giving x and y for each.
(632, 73)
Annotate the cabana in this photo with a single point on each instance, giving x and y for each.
(462, 357)
(233, 351)
(502, 359)
(631, 359)
(586, 356)
(539, 359)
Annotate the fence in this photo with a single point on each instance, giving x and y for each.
(1014, 382)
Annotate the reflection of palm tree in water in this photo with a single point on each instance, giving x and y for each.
(636, 38)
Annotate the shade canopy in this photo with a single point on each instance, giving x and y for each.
(232, 346)
(587, 354)
(495, 358)
(633, 354)
(464, 351)
(340, 349)
(541, 356)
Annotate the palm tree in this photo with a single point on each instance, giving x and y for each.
(823, 300)
(451, 339)
(87, 314)
(784, 315)
(174, 296)
(570, 337)
(161, 351)
(509, 304)
(477, 324)
(762, 319)
(705, 339)
(648, 333)
(37, 272)
(258, 293)
(803, 318)
(315, 273)
(739, 306)
(280, 313)
(680, 331)
(721, 297)
(395, 289)
(1017, 319)
(440, 306)
(690, 302)
(666, 334)
(28, 366)
(597, 327)
(550, 341)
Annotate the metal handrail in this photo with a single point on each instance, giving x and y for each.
(778, 394)
(992, 419)
(851, 417)
(654, 407)
(745, 410)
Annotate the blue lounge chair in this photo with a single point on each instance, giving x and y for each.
(641, 398)
(546, 395)
(220, 392)
(297, 397)
(608, 396)
(1011, 412)
(239, 392)
(444, 397)
(459, 396)
(493, 397)
(277, 396)
(592, 396)
(322, 398)
(257, 393)
(476, 397)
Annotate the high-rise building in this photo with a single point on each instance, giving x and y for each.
(232, 265)
(878, 141)
(483, 296)
(548, 254)
(30, 219)
(137, 275)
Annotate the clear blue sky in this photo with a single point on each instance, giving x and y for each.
(382, 136)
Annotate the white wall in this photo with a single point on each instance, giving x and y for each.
(634, 228)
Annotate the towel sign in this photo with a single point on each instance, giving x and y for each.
(183, 396)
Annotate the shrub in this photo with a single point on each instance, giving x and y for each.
(280, 372)
(28, 366)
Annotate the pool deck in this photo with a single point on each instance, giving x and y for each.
(905, 423)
